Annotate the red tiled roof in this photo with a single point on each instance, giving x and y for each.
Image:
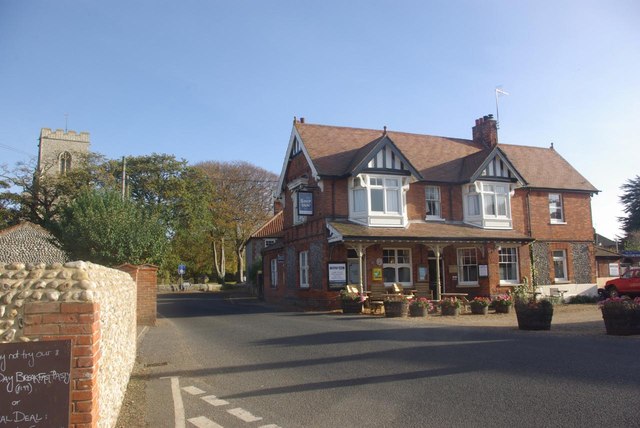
(427, 231)
(334, 149)
(272, 228)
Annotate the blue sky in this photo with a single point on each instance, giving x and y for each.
(213, 80)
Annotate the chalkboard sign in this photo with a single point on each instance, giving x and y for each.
(35, 384)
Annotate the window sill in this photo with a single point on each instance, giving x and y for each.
(508, 284)
(557, 222)
(561, 281)
(468, 285)
(428, 218)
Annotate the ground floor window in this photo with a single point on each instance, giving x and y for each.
(304, 269)
(274, 273)
(396, 266)
(508, 263)
(560, 265)
(467, 266)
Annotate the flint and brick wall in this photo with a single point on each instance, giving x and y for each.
(91, 305)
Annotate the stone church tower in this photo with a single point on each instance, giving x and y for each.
(58, 150)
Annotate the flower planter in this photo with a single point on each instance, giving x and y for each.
(351, 307)
(479, 310)
(418, 311)
(621, 321)
(396, 309)
(503, 309)
(450, 311)
(534, 318)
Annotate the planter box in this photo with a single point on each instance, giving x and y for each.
(396, 309)
(479, 310)
(417, 311)
(450, 311)
(621, 321)
(534, 318)
(351, 307)
(503, 309)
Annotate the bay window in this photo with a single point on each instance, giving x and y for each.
(377, 200)
(488, 205)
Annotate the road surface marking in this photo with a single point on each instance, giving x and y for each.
(202, 422)
(214, 401)
(269, 426)
(193, 390)
(244, 415)
(178, 407)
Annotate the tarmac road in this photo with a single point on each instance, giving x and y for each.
(214, 362)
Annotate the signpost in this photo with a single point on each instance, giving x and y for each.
(182, 269)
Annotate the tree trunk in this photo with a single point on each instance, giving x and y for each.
(220, 267)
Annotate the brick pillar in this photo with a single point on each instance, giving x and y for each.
(80, 323)
(146, 279)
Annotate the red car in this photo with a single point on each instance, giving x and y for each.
(628, 284)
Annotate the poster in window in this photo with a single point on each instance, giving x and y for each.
(377, 274)
(422, 274)
(305, 203)
(337, 274)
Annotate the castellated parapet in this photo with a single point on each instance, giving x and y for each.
(59, 150)
(60, 134)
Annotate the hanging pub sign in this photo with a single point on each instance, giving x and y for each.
(337, 274)
(305, 203)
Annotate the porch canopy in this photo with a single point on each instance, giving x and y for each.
(435, 235)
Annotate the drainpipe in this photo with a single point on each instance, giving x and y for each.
(438, 282)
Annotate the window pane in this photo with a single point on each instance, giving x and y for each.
(389, 274)
(391, 182)
(558, 267)
(473, 202)
(502, 205)
(404, 274)
(377, 200)
(388, 256)
(359, 200)
(393, 204)
(403, 256)
(489, 206)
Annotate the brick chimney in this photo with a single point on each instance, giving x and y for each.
(486, 131)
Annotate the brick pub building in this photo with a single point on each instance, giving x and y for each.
(366, 207)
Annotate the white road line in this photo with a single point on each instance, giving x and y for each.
(202, 422)
(244, 415)
(214, 401)
(193, 390)
(178, 407)
(269, 426)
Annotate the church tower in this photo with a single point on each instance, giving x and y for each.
(59, 150)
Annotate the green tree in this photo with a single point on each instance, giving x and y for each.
(631, 201)
(102, 227)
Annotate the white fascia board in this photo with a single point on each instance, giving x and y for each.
(295, 135)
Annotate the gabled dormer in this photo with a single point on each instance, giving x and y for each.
(380, 178)
(492, 180)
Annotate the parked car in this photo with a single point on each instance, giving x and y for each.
(628, 284)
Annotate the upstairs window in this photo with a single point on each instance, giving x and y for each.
(385, 195)
(488, 204)
(432, 196)
(64, 162)
(556, 211)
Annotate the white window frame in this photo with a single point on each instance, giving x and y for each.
(508, 256)
(463, 254)
(274, 273)
(557, 207)
(387, 263)
(433, 197)
(560, 256)
(391, 195)
(269, 241)
(303, 259)
(482, 195)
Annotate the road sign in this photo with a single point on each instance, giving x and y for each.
(182, 269)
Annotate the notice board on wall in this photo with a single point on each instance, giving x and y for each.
(35, 384)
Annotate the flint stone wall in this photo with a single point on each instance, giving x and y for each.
(45, 291)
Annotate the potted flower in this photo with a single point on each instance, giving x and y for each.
(502, 303)
(396, 305)
(621, 315)
(450, 306)
(420, 307)
(480, 305)
(351, 302)
(532, 313)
